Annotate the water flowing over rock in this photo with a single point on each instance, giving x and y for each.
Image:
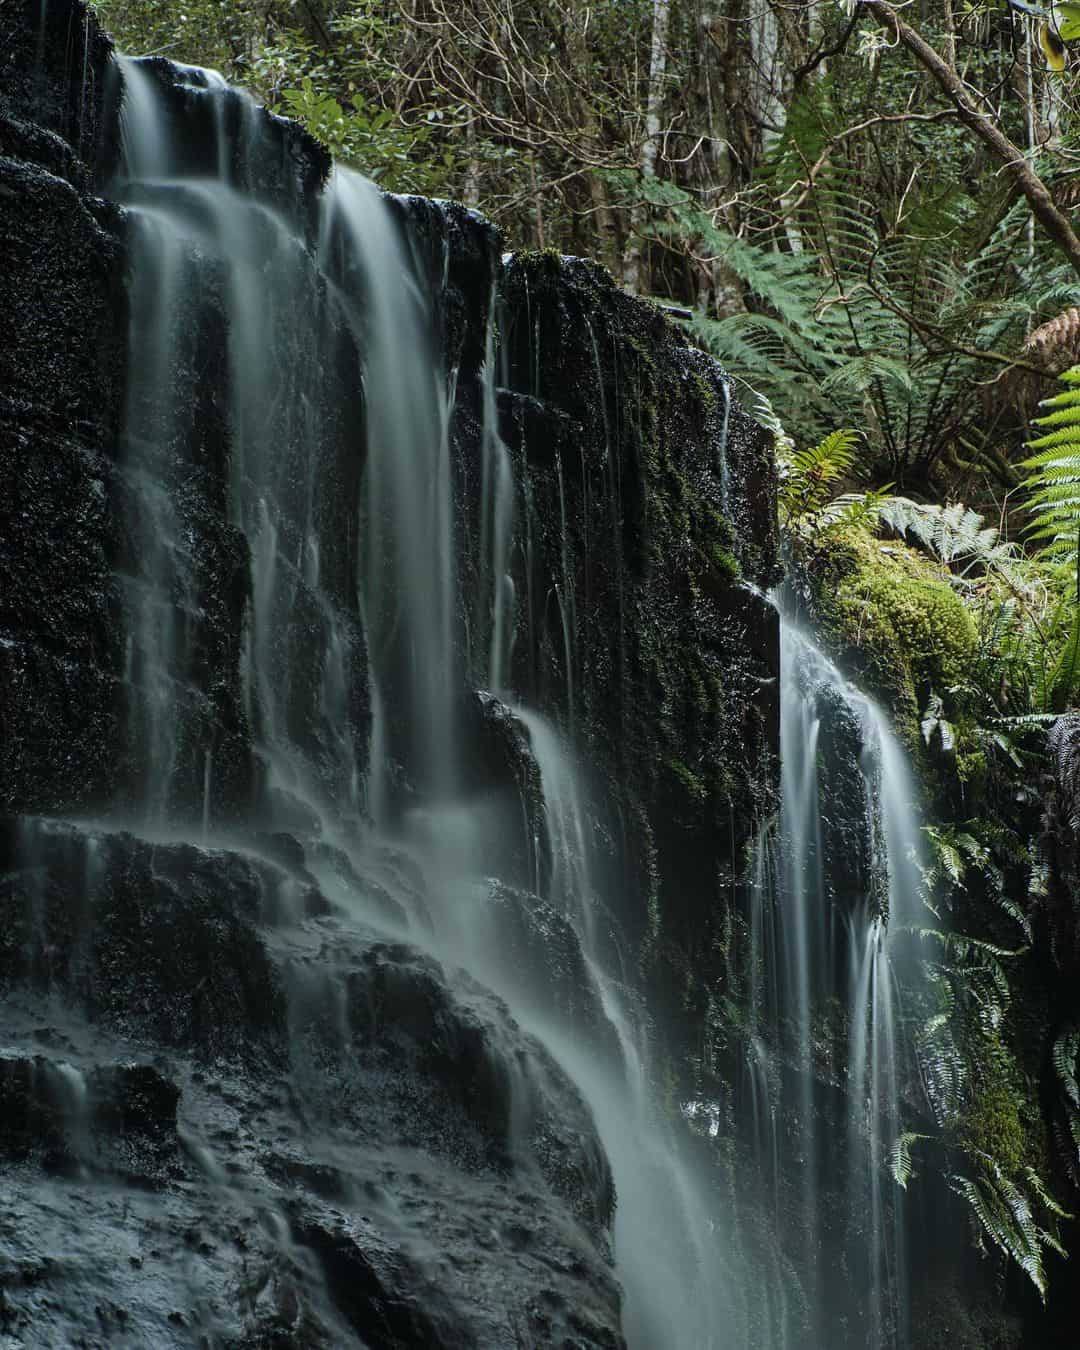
(388, 697)
(837, 890)
(441, 904)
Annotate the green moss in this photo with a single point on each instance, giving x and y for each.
(723, 564)
(992, 1123)
(537, 257)
(719, 528)
(642, 352)
(705, 391)
(896, 609)
(691, 784)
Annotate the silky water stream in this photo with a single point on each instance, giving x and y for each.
(332, 409)
(353, 580)
(836, 889)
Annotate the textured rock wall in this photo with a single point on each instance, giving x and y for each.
(61, 390)
(646, 507)
(335, 1130)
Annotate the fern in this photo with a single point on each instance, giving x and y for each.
(899, 1158)
(935, 726)
(807, 476)
(853, 508)
(954, 534)
(1065, 1051)
(1006, 1215)
(1054, 484)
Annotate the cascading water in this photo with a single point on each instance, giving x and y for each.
(834, 893)
(381, 561)
(292, 575)
(407, 578)
(195, 226)
(676, 1264)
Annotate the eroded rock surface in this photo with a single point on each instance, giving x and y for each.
(246, 1099)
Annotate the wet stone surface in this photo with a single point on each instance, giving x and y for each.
(382, 1158)
(246, 1097)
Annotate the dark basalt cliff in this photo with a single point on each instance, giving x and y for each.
(231, 1113)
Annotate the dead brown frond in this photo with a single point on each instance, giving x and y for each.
(1066, 193)
(1055, 345)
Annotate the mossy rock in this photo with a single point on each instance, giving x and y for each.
(947, 1317)
(991, 1123)
(895, 612)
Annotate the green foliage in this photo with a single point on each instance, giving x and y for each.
(1054, 484)
(1053, 487)
(807, 477)
(976, 1089)
(372, 139)
(899, 1158)
(990, 1126)
(1009, 1217)
(954, 534)
(1065, 1056)
(847, 319)
(898, 610)
(317, 79)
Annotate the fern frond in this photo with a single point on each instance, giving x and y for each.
(1064, 1055)
(1045, 1198)
(898, 1159)
(807, 476)
(1005, 1216)
(1053, 483)
(1056, 343)
(951, 533)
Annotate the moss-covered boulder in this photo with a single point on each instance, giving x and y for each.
(892, 613)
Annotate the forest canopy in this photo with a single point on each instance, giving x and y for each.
(868, 207)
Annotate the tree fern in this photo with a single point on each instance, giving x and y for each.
(1054, 484)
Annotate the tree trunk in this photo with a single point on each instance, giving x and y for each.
(1009, 155)
(650, 147)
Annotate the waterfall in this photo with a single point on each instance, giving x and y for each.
(408, 576)
(365, 816)
(834, 893)
(495, 595)
(352, 568)
(683, 1282)
(196, 231)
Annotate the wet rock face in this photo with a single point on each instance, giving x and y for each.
(243, 1115)
(645, 510)
(348, 1143)
(61, 288)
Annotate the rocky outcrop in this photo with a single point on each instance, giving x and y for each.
(347, 1143)
(61, 381)
(236, 1073)
(645, 504)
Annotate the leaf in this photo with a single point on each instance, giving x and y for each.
(858, 374)
(807, 475)
(1039, 1187)
(1068, 22)
(1064, 1056)
(899, 1158)
(1053, 48)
